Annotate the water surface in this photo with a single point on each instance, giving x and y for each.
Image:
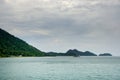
(60, 68)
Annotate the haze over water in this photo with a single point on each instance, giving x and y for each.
(60, 68)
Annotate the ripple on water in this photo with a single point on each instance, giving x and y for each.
(62, 68)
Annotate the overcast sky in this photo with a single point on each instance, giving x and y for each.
(59, 25)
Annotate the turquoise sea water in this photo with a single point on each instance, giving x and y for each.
(60, 68)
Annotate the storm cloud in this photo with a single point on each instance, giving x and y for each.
(59, 25)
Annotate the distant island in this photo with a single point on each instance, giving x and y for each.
(13, 46)
(71, 52)
(105, 54)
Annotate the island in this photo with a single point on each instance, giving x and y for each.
(13, 46)
(105, 54)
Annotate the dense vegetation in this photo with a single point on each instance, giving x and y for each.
(13, 46)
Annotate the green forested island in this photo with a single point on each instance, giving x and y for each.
(13, 46)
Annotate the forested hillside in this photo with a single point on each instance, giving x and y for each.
(13, 46)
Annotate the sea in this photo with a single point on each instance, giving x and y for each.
(60, 68)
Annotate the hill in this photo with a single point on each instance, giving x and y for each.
(71, 52)
(13, 46)
(75, 52)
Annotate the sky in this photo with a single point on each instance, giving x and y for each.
(59, 25)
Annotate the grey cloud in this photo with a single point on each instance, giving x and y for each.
(53, 25)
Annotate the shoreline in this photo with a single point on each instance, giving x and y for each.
(54, 56)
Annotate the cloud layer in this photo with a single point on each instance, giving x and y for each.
(58, 25)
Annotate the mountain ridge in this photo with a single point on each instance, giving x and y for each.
(13, 46)
(71, 52)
